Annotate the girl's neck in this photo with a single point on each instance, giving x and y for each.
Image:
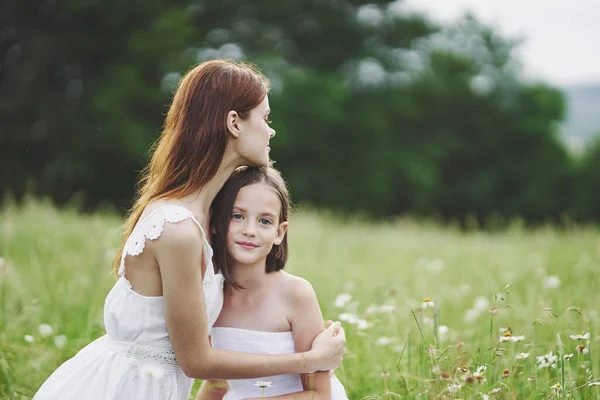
(251, 277)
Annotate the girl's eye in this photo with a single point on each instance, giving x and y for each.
(237, 216)
(265, 221)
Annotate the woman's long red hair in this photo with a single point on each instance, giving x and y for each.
(192, 144)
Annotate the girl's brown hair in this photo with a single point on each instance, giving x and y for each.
(222, 209)
(192, 144)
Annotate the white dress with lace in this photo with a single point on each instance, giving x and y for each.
(260, 342)
(135, 360)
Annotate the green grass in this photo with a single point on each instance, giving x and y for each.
(56, 271)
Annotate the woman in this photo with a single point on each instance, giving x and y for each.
(159, 314)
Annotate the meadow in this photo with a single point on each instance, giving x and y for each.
(430, 311)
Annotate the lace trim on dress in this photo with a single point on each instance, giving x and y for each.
(152, 227)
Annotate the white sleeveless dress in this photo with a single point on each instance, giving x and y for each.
(259, 342)
(135, 360)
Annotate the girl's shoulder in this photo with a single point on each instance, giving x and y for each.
(294, 288)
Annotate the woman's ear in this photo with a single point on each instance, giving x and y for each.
(233, 125)
(281, 231)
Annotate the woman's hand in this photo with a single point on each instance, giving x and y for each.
(328, 348)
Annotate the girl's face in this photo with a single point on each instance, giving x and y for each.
(253, 134)
(255, 227)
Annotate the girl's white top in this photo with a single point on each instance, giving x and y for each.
(135, 360)
(258, 342)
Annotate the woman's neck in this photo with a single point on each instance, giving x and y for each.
(199, 202)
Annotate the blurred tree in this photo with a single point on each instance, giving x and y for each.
(377, 109)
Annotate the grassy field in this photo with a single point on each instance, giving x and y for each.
(430, 312)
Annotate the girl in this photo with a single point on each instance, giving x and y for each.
(266, 310)
(160, 312)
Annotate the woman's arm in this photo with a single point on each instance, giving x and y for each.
(212, 390)
(179, 255)
(307, 322)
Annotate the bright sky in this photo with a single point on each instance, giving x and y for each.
(561, 39)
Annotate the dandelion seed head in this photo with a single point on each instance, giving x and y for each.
(45, 330)
(60, 341)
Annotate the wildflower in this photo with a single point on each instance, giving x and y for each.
(443, 331)
(496, 390)
(557, 387)
(436, 370)
(582, 349)
(468, 378)
(263, 384)
(494, 310)
(427, 321)
(349, 318)
(445, 376)
(585, 336)
(431, 351)
(463, 369)
(484, 396)
(568, 356)
(597, 383)
(384, 341)
(428, 303)
(547, 360)
(386, 308)
(363, 324)
(372, 309)
(478, 375)
(531, 378)
(385, 374)
(508, 337)
(505, 373)
(60, 341)
(29, 338)
(45, 330)
(454, 388)
(342, 299)
(522, 356)
(551, 282)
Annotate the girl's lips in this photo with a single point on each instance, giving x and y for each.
(247, 245)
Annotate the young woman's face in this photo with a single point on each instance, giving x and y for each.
(254, 227)
(254, 135)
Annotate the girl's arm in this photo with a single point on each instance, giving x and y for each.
(307, 323)
(178, 255)
(212, 390)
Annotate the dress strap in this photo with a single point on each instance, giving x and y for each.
(151, 227)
